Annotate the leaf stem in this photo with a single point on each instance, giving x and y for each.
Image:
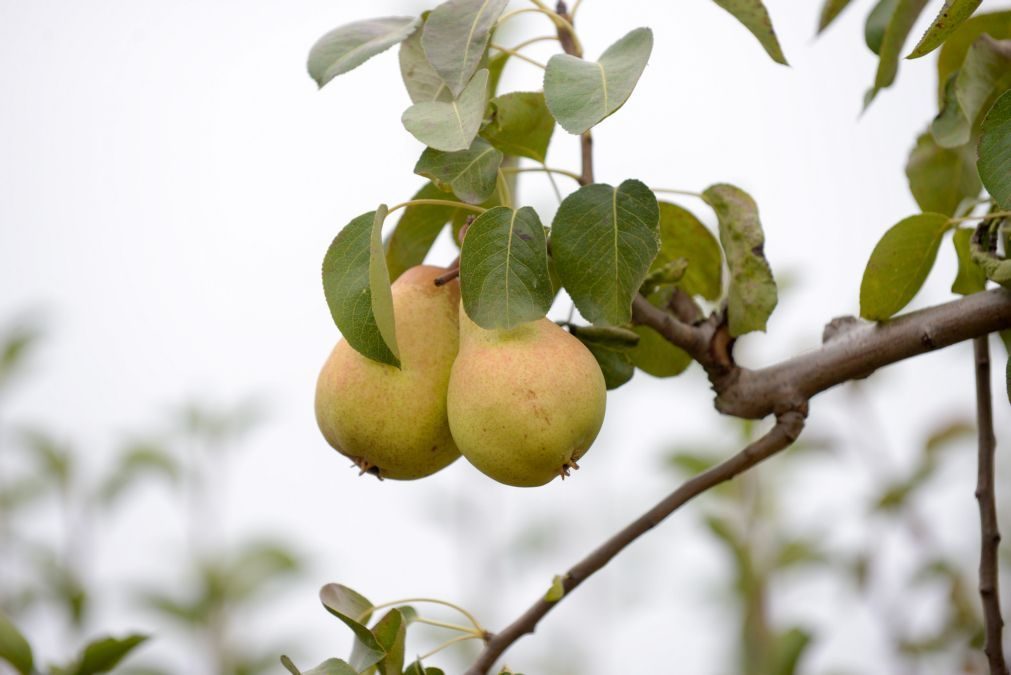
(447, 643)
(543, 169)
(451, 626)
(531, 41)
(435, 202)
(672, 191)
(522, 57)
(982, 216)
(560, 22)
(575, 8)
(433, 601)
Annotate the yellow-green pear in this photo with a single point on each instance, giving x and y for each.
(525, 403)
(392, 422)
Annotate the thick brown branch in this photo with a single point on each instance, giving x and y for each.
(989, 587)
(861, 350)
(788, 427)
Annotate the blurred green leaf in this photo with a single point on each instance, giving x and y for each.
(349, 46)
(520, 125)
(603, 240)
(257, 564)
(755, 17)
(14, 648)
(752, 296)
(788, 649)
(797, 552)
(940, 178)
(829, 11)
(951, 16)
(417, 668)
(946, 434)
(54, 458)
(970, 278)
(15, 346)
(417, 230)
(985, 75)
(877, 23)
(216, 425)
(328, 667)
(897, 30)
(995, 147)
(139, 461)
(953, 51)
(354, 611)
(682, 235)
(580, 94)
(899, 264)
(390, 632)
(693, 462)
(104, 654)
(357, 288)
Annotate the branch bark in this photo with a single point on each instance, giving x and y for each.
(788, 426)
(989, 587)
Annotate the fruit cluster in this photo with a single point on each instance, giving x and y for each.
(522, 405)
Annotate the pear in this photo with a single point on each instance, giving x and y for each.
(392, 422)
(525, 403)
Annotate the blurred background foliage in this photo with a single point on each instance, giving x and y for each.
(53, 504)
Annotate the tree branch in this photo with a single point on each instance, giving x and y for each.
(851, 354)
(788, 426)
(989, 587)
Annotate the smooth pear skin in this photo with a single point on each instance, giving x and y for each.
(525, 403)
(392, 422)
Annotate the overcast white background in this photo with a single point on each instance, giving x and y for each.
(170, 178)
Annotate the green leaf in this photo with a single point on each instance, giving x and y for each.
(391, 632)
(984, 76)
(14, 648)
(952, 53)
(452, 125)
(354, 610)
(829, 11)
(682, 235)
(348, 47)
(15, 345)
(422, 82)
(332, 667)
(940, 178)
(787, 651)
(580, 94)
(141, 460)
(951, 16)
(357, 288)
(417, 669)
(456, 36)
(603, 240)
(995, 151)
(755, 17)
(289, 666)
(900, 264)
(970, 278)
(557, 589)
(752, 295)
(102, 655)
(896, 31)
(614, 361)
(877, 23)
(520, 125)
(470, 173)
(1008, 377)
(949, 128)
(504, 268)
(416, 231)
(994, 267)
(656, 356)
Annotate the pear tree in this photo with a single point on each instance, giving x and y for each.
(450, 357)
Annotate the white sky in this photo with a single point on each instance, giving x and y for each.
(170, 179)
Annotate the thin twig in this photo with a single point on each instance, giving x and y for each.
(788, 427)
(989, 586)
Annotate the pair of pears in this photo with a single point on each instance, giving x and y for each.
(522, 405)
